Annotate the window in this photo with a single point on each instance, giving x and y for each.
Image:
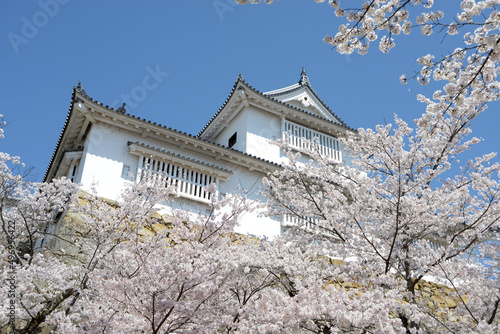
(125, 172)
(73, 173)
(232, 140)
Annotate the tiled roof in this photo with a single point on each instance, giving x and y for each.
(240, 78)
(296, 87)
(304, 111)
(269, 95)
(293, 88)
(202, 139)
(173, 154)
(80, 90)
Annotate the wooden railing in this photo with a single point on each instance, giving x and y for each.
(289, 220)
(189, 183)
(300, 138)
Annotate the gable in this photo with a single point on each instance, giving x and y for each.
(298, 99)
(302, 97)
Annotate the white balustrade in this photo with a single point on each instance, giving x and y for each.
(190, 183)
(300, 138)
(289, 220)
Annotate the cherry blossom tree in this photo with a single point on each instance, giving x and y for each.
(409, 210)
(184, 273)
(122, 267)
(28, 293)
(368, 240)
(468, 72)
(154, 275)
(399, 218)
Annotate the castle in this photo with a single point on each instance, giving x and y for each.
(107, 148)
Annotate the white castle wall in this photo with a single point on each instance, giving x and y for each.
(106, 153)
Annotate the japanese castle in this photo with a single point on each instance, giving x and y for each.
(107, 148)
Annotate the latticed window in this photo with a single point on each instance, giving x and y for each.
(300, 137)
(189, 182)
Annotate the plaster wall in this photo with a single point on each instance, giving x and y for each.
(106, 153)
(262, 130)
(239, 125)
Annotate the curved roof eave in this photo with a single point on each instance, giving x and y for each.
(240, 78)
(204, 140)
(283, 90)
(61, 135)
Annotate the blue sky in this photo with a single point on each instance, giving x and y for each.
(196, 48)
